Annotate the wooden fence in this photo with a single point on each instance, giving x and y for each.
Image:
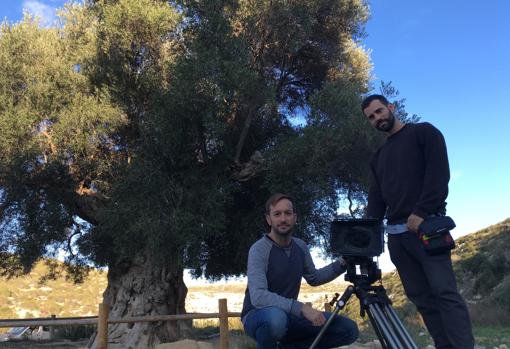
(102, 321)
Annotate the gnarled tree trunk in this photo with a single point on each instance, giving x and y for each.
(141, 287)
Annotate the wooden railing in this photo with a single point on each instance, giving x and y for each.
(102, 321)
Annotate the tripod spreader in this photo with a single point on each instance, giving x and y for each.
(374, 301)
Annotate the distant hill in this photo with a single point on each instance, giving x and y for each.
(481, 262)
(27, 297)
(482, 265)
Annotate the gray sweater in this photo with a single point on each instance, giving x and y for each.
(275, 272)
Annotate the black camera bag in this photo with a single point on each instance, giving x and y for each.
(434, 233)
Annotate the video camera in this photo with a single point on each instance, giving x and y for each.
(357, 241)
(357, 237)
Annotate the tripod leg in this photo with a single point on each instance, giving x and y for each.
(399, 326)
(388, 334)
(339, 306)
(377, 330)
(324, 327)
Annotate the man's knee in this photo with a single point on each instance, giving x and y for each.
(273, 324)
(351, 332)
(445, 291)
(276, 327)
(346, 330)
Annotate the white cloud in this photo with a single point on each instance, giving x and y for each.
(46, 13)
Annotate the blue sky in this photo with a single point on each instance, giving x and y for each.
(450, 60)
(13, 10)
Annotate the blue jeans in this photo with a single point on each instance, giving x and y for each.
(271, 326)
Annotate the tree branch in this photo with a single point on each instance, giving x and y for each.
(244, 134)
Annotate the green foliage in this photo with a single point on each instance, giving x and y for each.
(74, 333)
(56, 132)
(158, 129)
(391, 93)
(484, 262)
(482, 267)
(493, 336)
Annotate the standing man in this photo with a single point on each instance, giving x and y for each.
(410, 183)
(276, 263)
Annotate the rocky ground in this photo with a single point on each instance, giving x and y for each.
(44, 345)
(234, 344)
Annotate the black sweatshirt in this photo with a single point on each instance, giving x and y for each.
(410, 175)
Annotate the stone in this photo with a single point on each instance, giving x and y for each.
(185, 344)
(373, 345)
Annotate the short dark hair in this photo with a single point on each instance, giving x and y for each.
(273, 200)
(366, 102)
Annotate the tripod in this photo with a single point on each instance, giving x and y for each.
(373, 301)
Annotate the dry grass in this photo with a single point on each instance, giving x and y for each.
(26, 297)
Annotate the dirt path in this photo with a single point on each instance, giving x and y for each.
(235, 343)
(44, 345)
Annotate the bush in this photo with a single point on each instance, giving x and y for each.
(74, 333)
(500, 296)
(484, 314)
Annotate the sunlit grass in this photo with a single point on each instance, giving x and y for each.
(481, 261)
(234, 324)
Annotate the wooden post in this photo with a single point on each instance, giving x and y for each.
(102, 326)
(327, 307)
(222, 306)
(52, 329)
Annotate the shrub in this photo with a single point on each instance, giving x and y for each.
(484, 314)
(74, 333)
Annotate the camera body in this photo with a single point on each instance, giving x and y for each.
(357, 237)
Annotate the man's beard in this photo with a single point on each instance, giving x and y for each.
(386, 125)
(283, 233)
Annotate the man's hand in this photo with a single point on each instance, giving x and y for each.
(413, 222)
(316, 317)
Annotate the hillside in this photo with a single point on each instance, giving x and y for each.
(482, 265)
(27, 297)
(481, 261)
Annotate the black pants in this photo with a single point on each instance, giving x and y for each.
(429, 282)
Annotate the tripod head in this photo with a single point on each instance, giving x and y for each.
(362, 271)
